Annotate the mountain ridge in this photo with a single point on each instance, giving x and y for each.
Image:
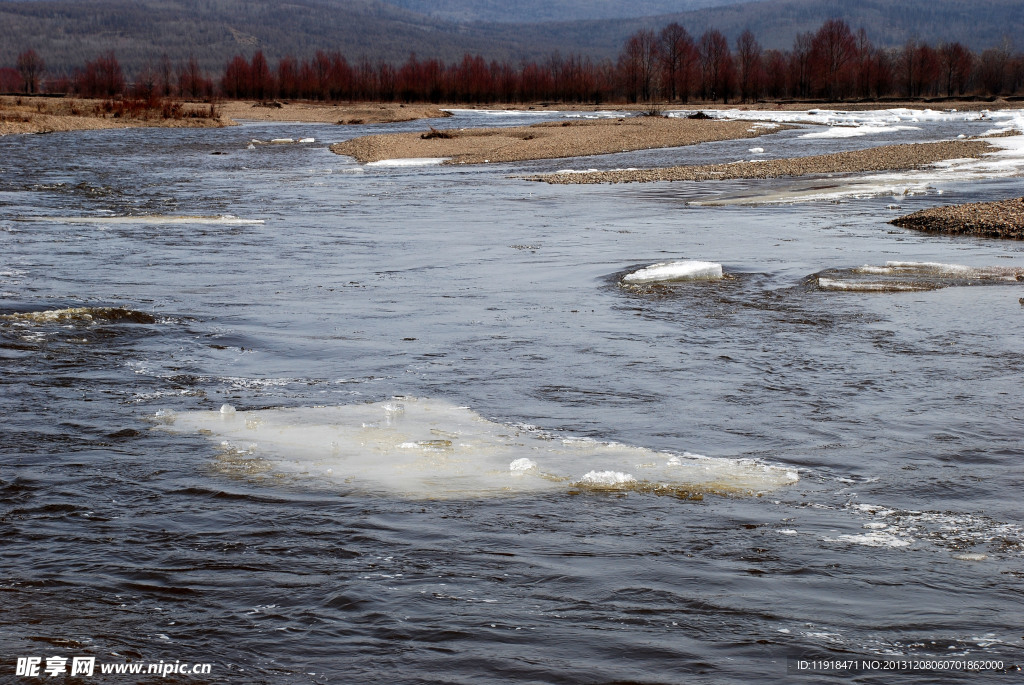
(67, 33)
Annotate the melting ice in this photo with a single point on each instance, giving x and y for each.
(686, 270)
(423, 448)
(897, 276)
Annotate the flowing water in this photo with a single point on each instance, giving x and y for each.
(314, 422)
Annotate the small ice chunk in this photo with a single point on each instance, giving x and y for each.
(686, 270)
(872, 540)
(607, 478)
(227, 409)
(522, 464)
(970, 557)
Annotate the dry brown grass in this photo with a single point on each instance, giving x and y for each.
(46, 115)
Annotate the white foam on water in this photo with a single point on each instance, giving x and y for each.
(148, 220)
(686, 270)
(423, 448)
(409, 161)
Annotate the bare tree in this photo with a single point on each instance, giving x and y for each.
(31, 68)
(800, 64)
(165, 76)
(678, 57)
(715, 66)
(832, 48)
(638, 58)
(748, 59)
(955, 62)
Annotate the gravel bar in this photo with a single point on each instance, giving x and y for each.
(1002, 219)
(549, 140)
(884, 158)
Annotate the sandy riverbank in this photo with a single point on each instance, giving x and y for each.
(884, 158)
(549, 140)
(351, 113)
(1002, 219)
(50, 115)
(33, 114)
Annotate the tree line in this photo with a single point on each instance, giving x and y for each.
(833, 63)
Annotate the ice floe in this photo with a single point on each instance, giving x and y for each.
(423, 448)
(899, 276)
(685, 270)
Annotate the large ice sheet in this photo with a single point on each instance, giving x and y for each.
(425, 448)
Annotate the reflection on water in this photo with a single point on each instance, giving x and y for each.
(272, 540)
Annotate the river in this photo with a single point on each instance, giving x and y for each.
(406, 424)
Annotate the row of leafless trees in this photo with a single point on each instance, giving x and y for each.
(103, 77)
(832, 63)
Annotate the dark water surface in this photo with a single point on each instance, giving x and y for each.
(900, 411)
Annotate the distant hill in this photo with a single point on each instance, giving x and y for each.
(69, 32)
(979, 24)
(536, 11)
(66, 33)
